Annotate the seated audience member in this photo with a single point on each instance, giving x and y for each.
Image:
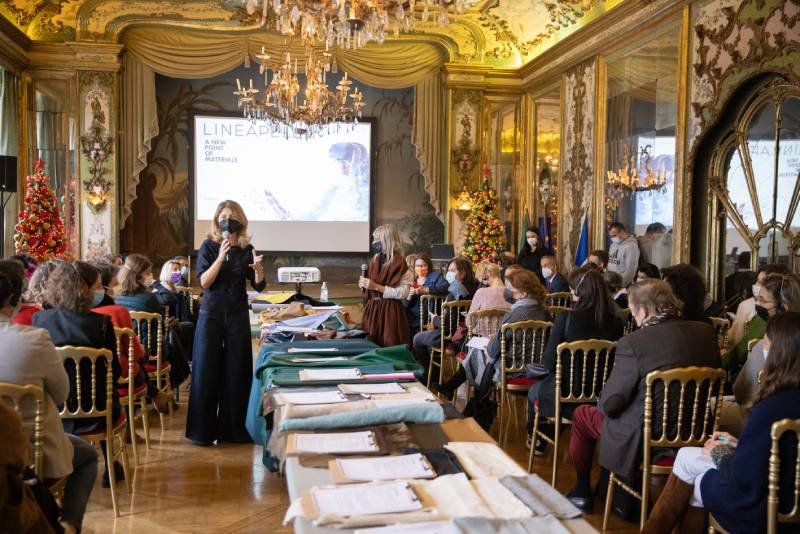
(689, 286)
(426, 282)
(34, 296)
(598, 258)
(747, 308)
(619, 294)
(530, 256)
(507, 258)
(728, 478)
(462, 286)
(70, 321)
(27, 262)
(554, 281)
(136, 284)
(176, 304)
(663, 341)
(526, 295)
(108, 277)
(647, 270)
(184, 263)
(768, 304)
(593, 316)
(490, 296)
(745, 388)
(29, 357)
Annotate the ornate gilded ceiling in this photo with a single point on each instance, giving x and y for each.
(498, 33)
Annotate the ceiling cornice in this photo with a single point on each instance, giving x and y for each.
(13, 47)
(75, 55)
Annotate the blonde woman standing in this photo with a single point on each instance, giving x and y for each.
(387, 283)
(222, 359)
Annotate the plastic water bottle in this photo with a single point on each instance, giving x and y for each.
(323, 292)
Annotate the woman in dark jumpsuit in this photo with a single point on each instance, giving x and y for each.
(222, 359)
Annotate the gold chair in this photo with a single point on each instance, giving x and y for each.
(450, 318)
(130, 394)
(483, 323)
(583, 385)
(752, 343)
(560, 299)
(111, 431)
(527, 340)
(555, 310)
(630, 323)
(697, 401)
(722, 326)
(189, 293)
(157, 368)
(15, 395)
(429, 304)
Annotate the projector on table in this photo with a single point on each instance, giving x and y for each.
(298, 275)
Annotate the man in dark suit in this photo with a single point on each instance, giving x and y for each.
(554, 281)
(663, 341)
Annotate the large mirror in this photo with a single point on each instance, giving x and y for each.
(641, 107)
(503, 142)
(547, 164)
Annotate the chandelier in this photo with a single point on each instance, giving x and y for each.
(628, 179)
(321, 109)
(351, 23)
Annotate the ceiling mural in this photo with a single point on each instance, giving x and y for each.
(498, 33)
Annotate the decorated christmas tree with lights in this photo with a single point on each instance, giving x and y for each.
(40, 230)
(484, 237)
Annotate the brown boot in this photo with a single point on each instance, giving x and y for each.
(694, 521)
(670, 507)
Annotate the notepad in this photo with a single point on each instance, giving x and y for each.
(371, 389)
(312, 397)
(383, 468)
(365, 499)
(333, 443)
(478, 342)
(309, 375)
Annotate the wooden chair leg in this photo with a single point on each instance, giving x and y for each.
(534, 431)
(430, 369)
(132, 430)
(125, 465)
(556, 443)
(112, 477)
(645, 498)
(609, 501)
(145, 422)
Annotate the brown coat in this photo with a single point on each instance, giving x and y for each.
(386, 320)
(673, 343)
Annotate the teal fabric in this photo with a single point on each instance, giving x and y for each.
(274, 366)
(424, 412)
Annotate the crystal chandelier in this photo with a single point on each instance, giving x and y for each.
(321, 109)
(352, 23)
(628, 180)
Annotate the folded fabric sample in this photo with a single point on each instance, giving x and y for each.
(432, 527)
(540, 497)
(426, 412)
(504, 504)
(452, 496)
(298, 411)
(532, 525)
(481, 460)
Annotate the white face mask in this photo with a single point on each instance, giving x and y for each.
(615, 240)
(532, 241)
(756, 289)
(547, 272)
(450, 277)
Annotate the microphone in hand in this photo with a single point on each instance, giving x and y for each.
(363, 275)
(226, 235)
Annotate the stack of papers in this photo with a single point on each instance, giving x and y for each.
(384, 468)
(333, 443)
(311, 397)
(365, 499)
(371, 389)
(312, 375)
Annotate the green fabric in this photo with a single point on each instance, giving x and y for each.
(737, 355)
(424, 412)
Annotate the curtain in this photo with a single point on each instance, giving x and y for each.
(9, 146)
(188, 53)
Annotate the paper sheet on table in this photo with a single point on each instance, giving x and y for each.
(384, 403)
(330, 374)
(294, 350)
(371, 389)
(384, 468)
(333, 443)
(318, 360)
(478, 342)
(365, 499)
(311, 397)
(432, 527)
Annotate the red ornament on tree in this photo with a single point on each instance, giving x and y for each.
(40, 230)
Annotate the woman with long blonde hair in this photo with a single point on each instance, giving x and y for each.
(386, 286)
(222, 358)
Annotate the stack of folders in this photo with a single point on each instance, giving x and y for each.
(365, 499)
(333, 443)
(407, 466)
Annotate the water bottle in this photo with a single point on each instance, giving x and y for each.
(323, 293)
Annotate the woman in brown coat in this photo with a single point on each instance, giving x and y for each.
(387, 282)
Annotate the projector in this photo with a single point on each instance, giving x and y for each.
(291, 275)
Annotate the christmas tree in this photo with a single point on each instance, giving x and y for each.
(40, 230)
(484, 231)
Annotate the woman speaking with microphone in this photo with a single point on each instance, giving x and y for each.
(222, 359)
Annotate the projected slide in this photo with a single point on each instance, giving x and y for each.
(299, 195)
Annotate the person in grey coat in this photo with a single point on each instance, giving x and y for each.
(663, 341)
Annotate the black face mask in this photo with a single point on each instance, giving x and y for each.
(509, 296)
(230, 225)
(762, 312)
(377, 247)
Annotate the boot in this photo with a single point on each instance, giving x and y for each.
(448, 389)
(670, 507)
(694, 521)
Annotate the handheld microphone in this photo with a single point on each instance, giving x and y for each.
(226, 235)
(363, 275)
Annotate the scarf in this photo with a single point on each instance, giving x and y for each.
(525, 302)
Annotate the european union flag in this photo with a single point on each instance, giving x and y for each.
(582, 253)
(546, 233)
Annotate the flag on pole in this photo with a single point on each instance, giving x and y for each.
(582, 253)
(546, 233)
(525, 225)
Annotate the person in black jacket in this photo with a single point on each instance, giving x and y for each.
(554, 281)
(593, 317)
(175, 304)
(689, 286)
(530, 257)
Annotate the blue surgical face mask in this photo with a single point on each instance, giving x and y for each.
(615, 240)
(509, 296)
(450, 277)
(185, 272)
(97, 297)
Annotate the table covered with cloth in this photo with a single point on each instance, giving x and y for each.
(276, 366)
